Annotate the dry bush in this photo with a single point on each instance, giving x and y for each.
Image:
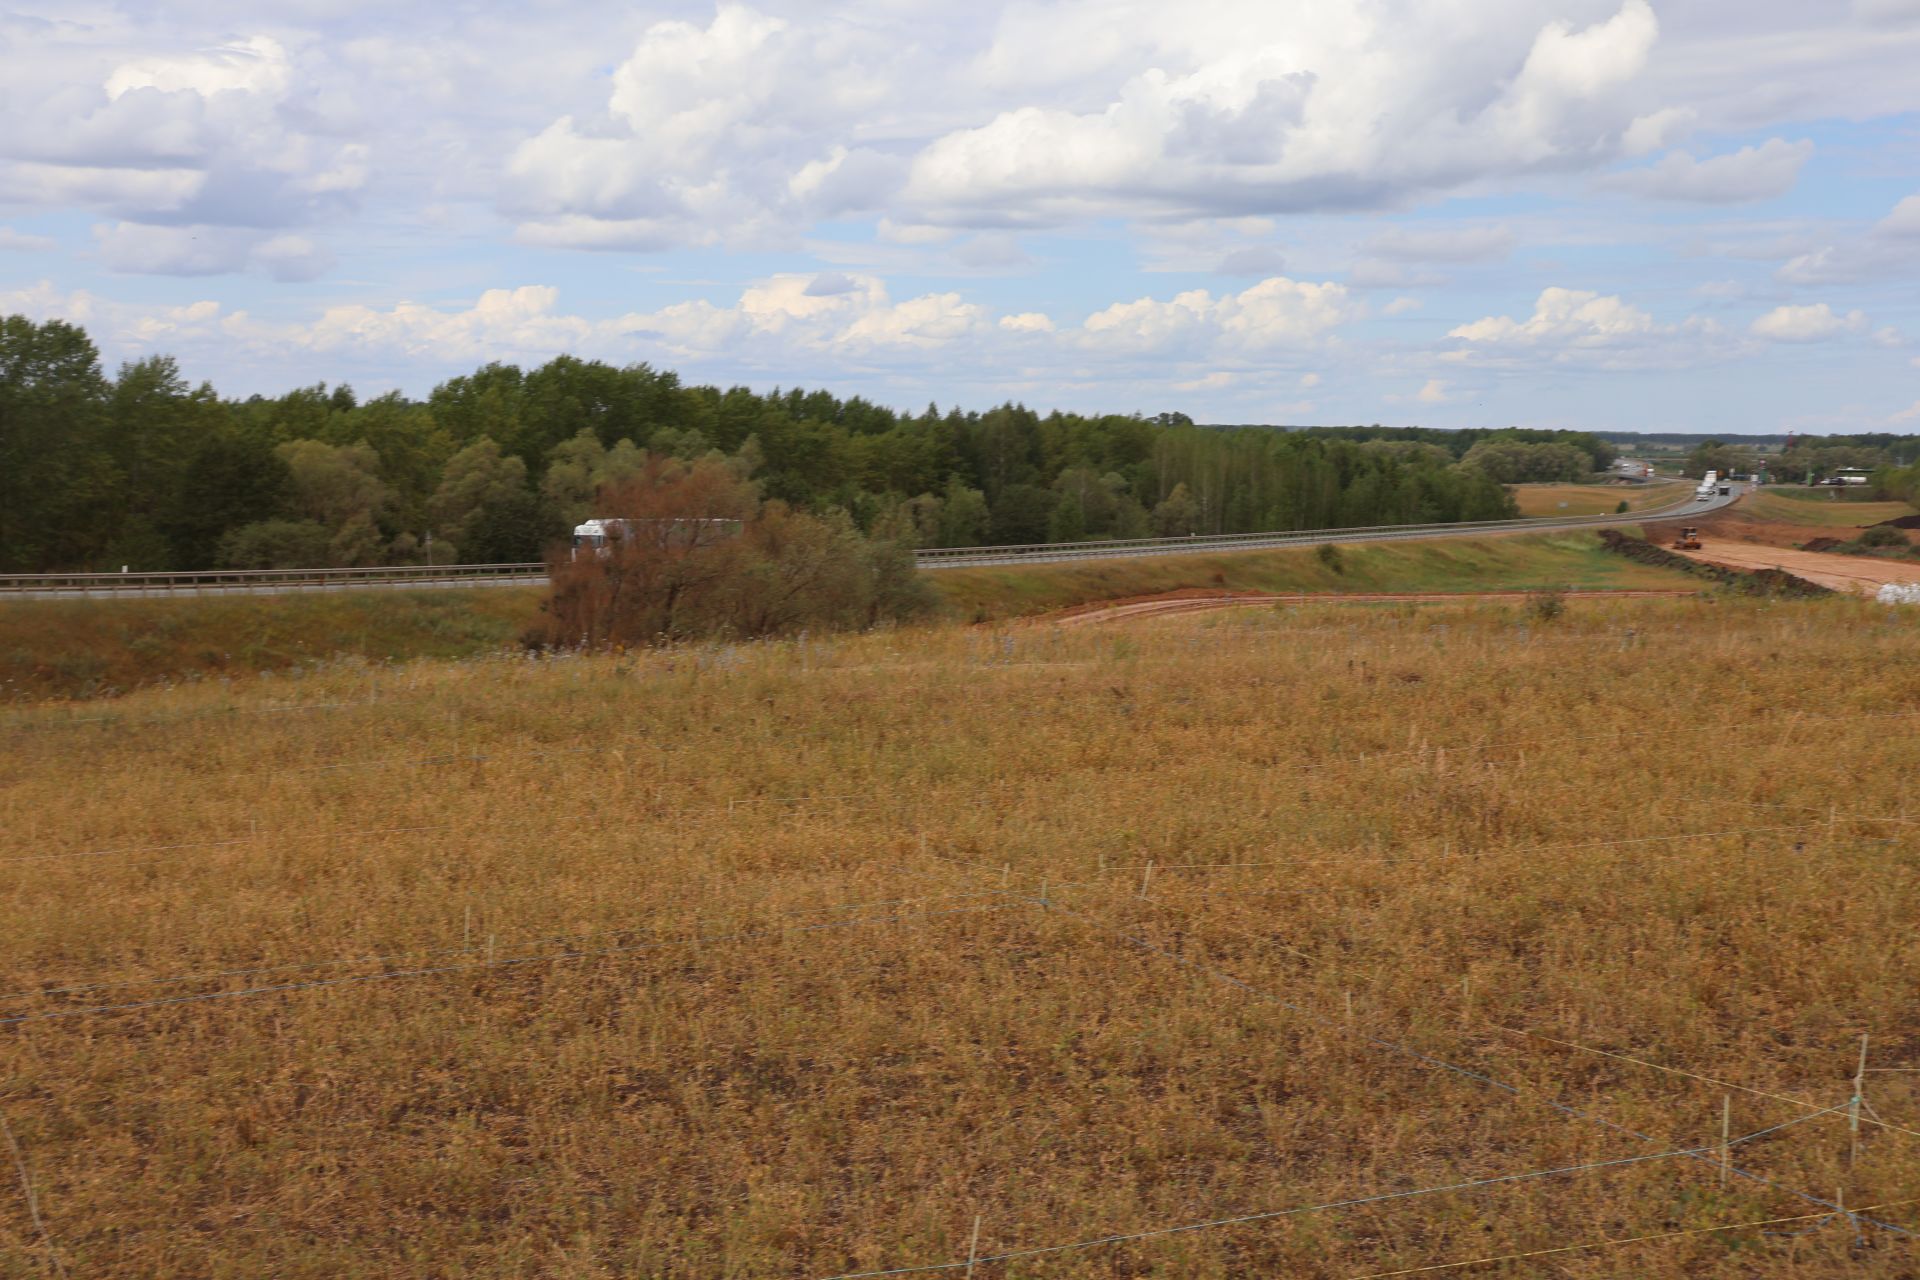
(790, 958)
(703, 556)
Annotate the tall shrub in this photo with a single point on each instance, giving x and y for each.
(702, 555)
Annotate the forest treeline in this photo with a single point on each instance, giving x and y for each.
(142, 469)
(1811, 459)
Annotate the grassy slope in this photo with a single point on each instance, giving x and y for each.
(1819, 507)
(85, 647)
(1523, 562)
(1594, 499)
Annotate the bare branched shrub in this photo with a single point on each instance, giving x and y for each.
(1546, 605)
(702, 555)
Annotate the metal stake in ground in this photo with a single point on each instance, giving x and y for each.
(1726, 1128)
(1853, 1109)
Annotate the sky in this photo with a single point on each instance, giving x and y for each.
(1654, 215)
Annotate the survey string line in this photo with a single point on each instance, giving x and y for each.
(1692, 1075)
(1608, 1243)
(481, 965)
(1514, 1090)
(396, 956)
(1300, 1210)
(1538, 1035)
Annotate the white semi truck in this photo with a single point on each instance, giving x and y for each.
(1709, 486)
(598, 538)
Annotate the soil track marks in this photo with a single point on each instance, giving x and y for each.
(1173, 603)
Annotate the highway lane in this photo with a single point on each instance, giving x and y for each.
(142, 586)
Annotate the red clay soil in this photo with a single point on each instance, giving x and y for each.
(1737, 524)
(1842, 573)
(1201, 599)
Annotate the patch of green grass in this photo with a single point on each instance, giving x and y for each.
(1595, 499)
(1465, 565)
(89, 648)
(1795, 505)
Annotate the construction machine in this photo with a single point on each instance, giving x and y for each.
(1689, 539)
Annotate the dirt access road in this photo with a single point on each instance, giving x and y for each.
(1173, 603)
(1842, 573)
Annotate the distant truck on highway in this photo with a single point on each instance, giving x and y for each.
(1709, 486)
(598, 538)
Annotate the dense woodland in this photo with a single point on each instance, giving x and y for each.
(141, 469)
(1813, 458)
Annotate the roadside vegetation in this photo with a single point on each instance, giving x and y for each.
(100, 648)
(820, 955)
(1506, 562)
(92, 648)
(697, 553)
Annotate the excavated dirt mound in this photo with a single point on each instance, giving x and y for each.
(1901, 522)
(1821, 544)
(1859, 574)
(1763, 582)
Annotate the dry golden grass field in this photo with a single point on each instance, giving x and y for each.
(1309, 942)
(1596, 499)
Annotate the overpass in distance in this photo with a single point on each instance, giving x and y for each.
(103, 586)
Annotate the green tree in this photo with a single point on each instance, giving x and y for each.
(333, 484)
(965, 519)
(275, 544)
(1176, 515)
(514, 529)
(577, 469)
(229, 481)
(156, 421)
(57, 479)
(477, 480)
(1022, 514)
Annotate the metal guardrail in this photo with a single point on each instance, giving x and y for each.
(233, 581)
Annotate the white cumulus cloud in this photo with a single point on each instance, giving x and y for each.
(1276, 312)
(1565, 317)
(733, 130)
(1903, 221)
(1281, 110)
(1582, 327)
(232, 135)
(1807, 323)
(1751, 173)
